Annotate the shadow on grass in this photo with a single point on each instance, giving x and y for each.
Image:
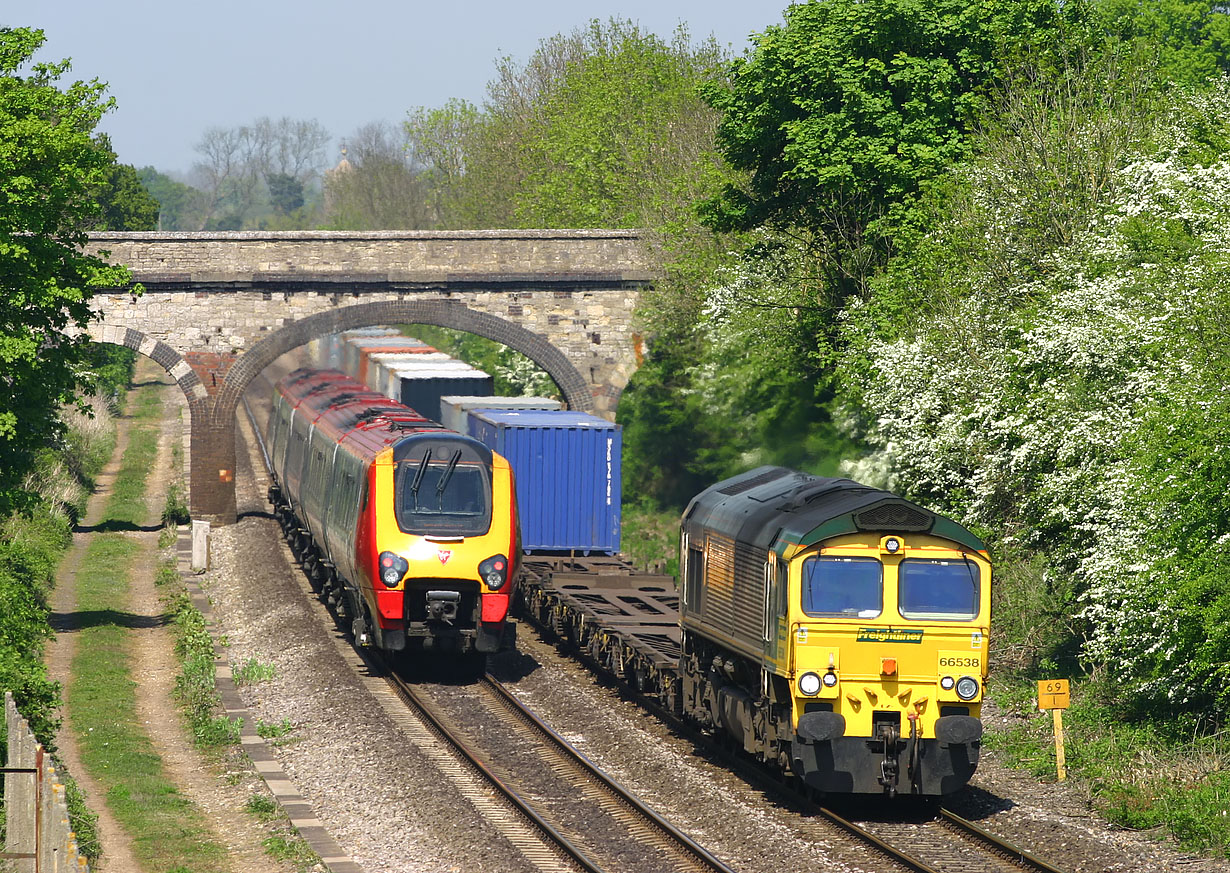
(113, 526)
(74, 621)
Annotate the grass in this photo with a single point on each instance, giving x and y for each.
(252, 671)
(274, 730)
(169, 832)
(1169, 778)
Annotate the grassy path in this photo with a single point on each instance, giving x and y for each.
(167, 831)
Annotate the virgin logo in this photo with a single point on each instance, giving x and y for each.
(444, 555)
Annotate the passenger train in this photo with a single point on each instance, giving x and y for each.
(408, 530)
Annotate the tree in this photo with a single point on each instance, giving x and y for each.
(177, 201)
(1189, 38)
(843, 112)
(375, 187)
(50, 171)
(252, 172)
(126, 204)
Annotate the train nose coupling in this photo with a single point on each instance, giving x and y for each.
(442, 605)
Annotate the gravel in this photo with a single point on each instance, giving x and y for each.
(391, 809)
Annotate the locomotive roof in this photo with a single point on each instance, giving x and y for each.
(776, 507)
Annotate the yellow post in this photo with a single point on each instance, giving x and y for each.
(1059, 762)
(1055, 695)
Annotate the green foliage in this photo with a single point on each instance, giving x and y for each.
(285, 192)
(50, 169)
(274, 730)
(650, 538)
(252, 671)
(512, 373)
(175, 512)
(292, 848)
(84, 822)
(195, 686)
(844, 110)
(661, 436)
(377, 185)
(1189, 38)
(263, 807)
(601, 127)
(178, 202)
(125, 203)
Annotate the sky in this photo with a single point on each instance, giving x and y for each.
(176, 69)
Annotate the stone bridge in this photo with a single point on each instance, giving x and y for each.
(217, 308)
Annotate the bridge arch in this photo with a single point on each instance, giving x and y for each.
(440, 313)
(157, 351)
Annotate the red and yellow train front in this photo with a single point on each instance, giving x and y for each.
(439, 548)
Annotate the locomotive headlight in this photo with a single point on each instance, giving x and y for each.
(967, 688)
(829, 679)
(494, 571)
(809, 683)
(892, 545)
(947, 682)
(392, 568)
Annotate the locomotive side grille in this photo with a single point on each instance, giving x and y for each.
(748, 595)
(892, 516)
(719, 582)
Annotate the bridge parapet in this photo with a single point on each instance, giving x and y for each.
(218, 307)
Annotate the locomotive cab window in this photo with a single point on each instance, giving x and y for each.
(843, 586)
(443, 489)
(938, 589)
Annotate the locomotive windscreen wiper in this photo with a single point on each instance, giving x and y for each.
(448, 474)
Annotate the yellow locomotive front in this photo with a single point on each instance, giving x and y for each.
(836, 630)
(887, 654)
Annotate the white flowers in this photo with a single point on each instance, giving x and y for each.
(1017, 407)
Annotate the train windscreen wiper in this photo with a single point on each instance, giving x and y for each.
(448, 474)
(418, 476)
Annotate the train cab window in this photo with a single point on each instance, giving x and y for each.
(443, 490)
(834, 585)
(935, 589)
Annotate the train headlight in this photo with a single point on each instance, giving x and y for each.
(494, 571)
(947, 682)
(829, 679)
(392, 568)
(809, 684)
(967, 688)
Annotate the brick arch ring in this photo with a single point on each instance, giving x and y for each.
(157, 351)
(440, 313)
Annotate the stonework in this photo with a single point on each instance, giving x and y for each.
(218, 307)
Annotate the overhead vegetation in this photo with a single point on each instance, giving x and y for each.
(51, 171)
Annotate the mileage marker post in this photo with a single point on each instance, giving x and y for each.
(1053, 694)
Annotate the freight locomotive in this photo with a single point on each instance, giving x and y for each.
(408, 530)
(831, 629)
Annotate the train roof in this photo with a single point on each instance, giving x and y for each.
(348, 411)
(773, 507)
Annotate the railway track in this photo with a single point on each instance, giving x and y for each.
(563, 813)
(582, 811)
(937, 841)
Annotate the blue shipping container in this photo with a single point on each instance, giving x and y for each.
(567, 466)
